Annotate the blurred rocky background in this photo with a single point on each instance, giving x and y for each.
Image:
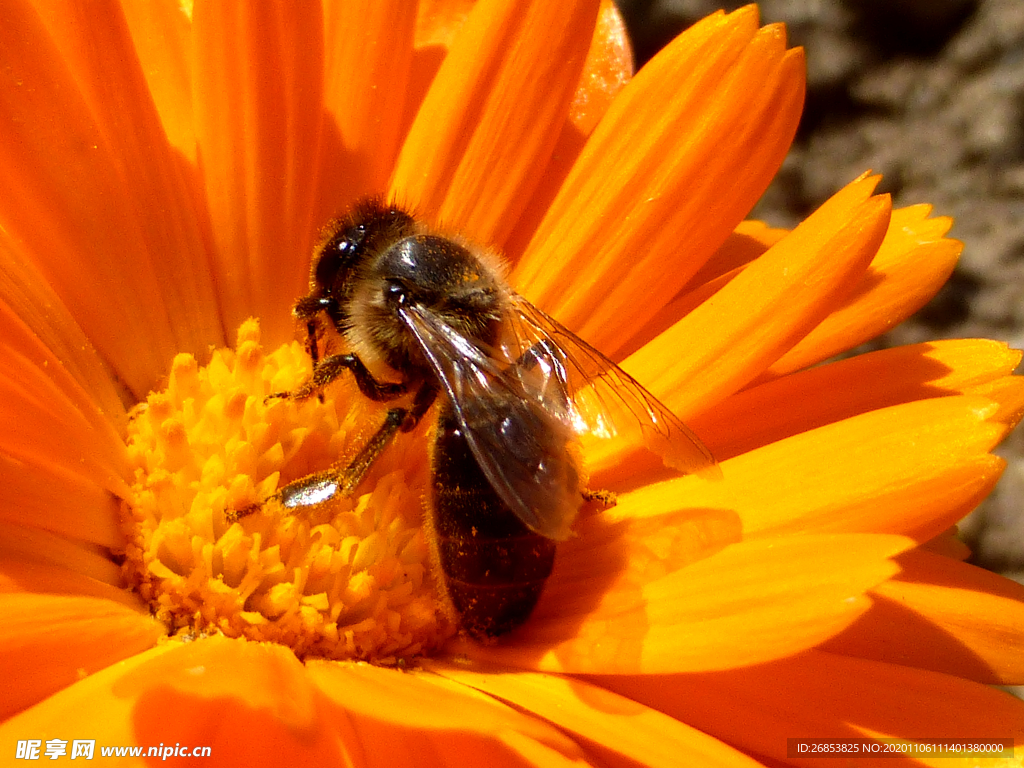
(930, 93)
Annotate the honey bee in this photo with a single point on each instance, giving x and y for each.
(514, 390)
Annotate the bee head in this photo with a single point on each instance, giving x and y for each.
(346, 245)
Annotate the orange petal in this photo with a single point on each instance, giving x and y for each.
(750, 602)
(42, 425)
(406, 718)
(493, 114)
(255, 704)
(628, 551)
(45, 496)
(36, 326)
(88, 709)
(913, 262)
(812, 398)
(1008, 391)
(438, 21)
(748, 241)
(258, 98)
(764, 309)
(946, 616)
(162, 33)
(745, 243)
(437, 24)
(912, 469)
(730, 338)
(250, 703)
(22, 574)
(100, 53)
(50, 641)
(606, 71)
(44, 332)
(618, 725)
(643, 207)
(121, 247)
(368, 48)
(26, 543)
(820, 696)
(948, 545)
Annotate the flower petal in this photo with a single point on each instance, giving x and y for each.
(251, 703)
(44, 495)
(498, 102)
(619, 725)
(35, 545)
(729, 339)
(48, 642)
(88, 709)
(60, 457)
(162, 33)
(368, 48)
(255, 704)
(89, 174)
(406, 718)
(438, 21)
(437, 25)
(44, 425)
(820, 695)
(258, 98)
(911, 469)
(750, 602)
(22, 574)
(948, 545)
(644, 207)
(913, 262)
(814, 397)
(35, 324)
(747, 242)
(606, 71)
(945, 616)
(160, 190)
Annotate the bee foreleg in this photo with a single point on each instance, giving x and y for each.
(306, 310)
(380, 391)
(331, 367)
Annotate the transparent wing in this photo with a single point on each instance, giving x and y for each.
(602, 399)
(514, 415)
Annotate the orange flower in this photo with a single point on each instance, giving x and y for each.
(165, 176)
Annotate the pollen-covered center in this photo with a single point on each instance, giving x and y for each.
(348, 578)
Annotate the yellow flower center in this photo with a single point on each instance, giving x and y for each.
(346, 579)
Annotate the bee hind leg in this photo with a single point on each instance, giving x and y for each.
(319, 487)
(606, 499)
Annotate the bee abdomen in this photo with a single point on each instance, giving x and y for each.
(493, 610)
(493, 566)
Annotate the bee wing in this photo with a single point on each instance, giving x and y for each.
(514, 418)
(604, 400)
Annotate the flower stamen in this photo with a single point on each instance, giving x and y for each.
(345, 579)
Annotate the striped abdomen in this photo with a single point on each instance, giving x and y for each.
(493, 567)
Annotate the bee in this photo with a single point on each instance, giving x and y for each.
(428, 318)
